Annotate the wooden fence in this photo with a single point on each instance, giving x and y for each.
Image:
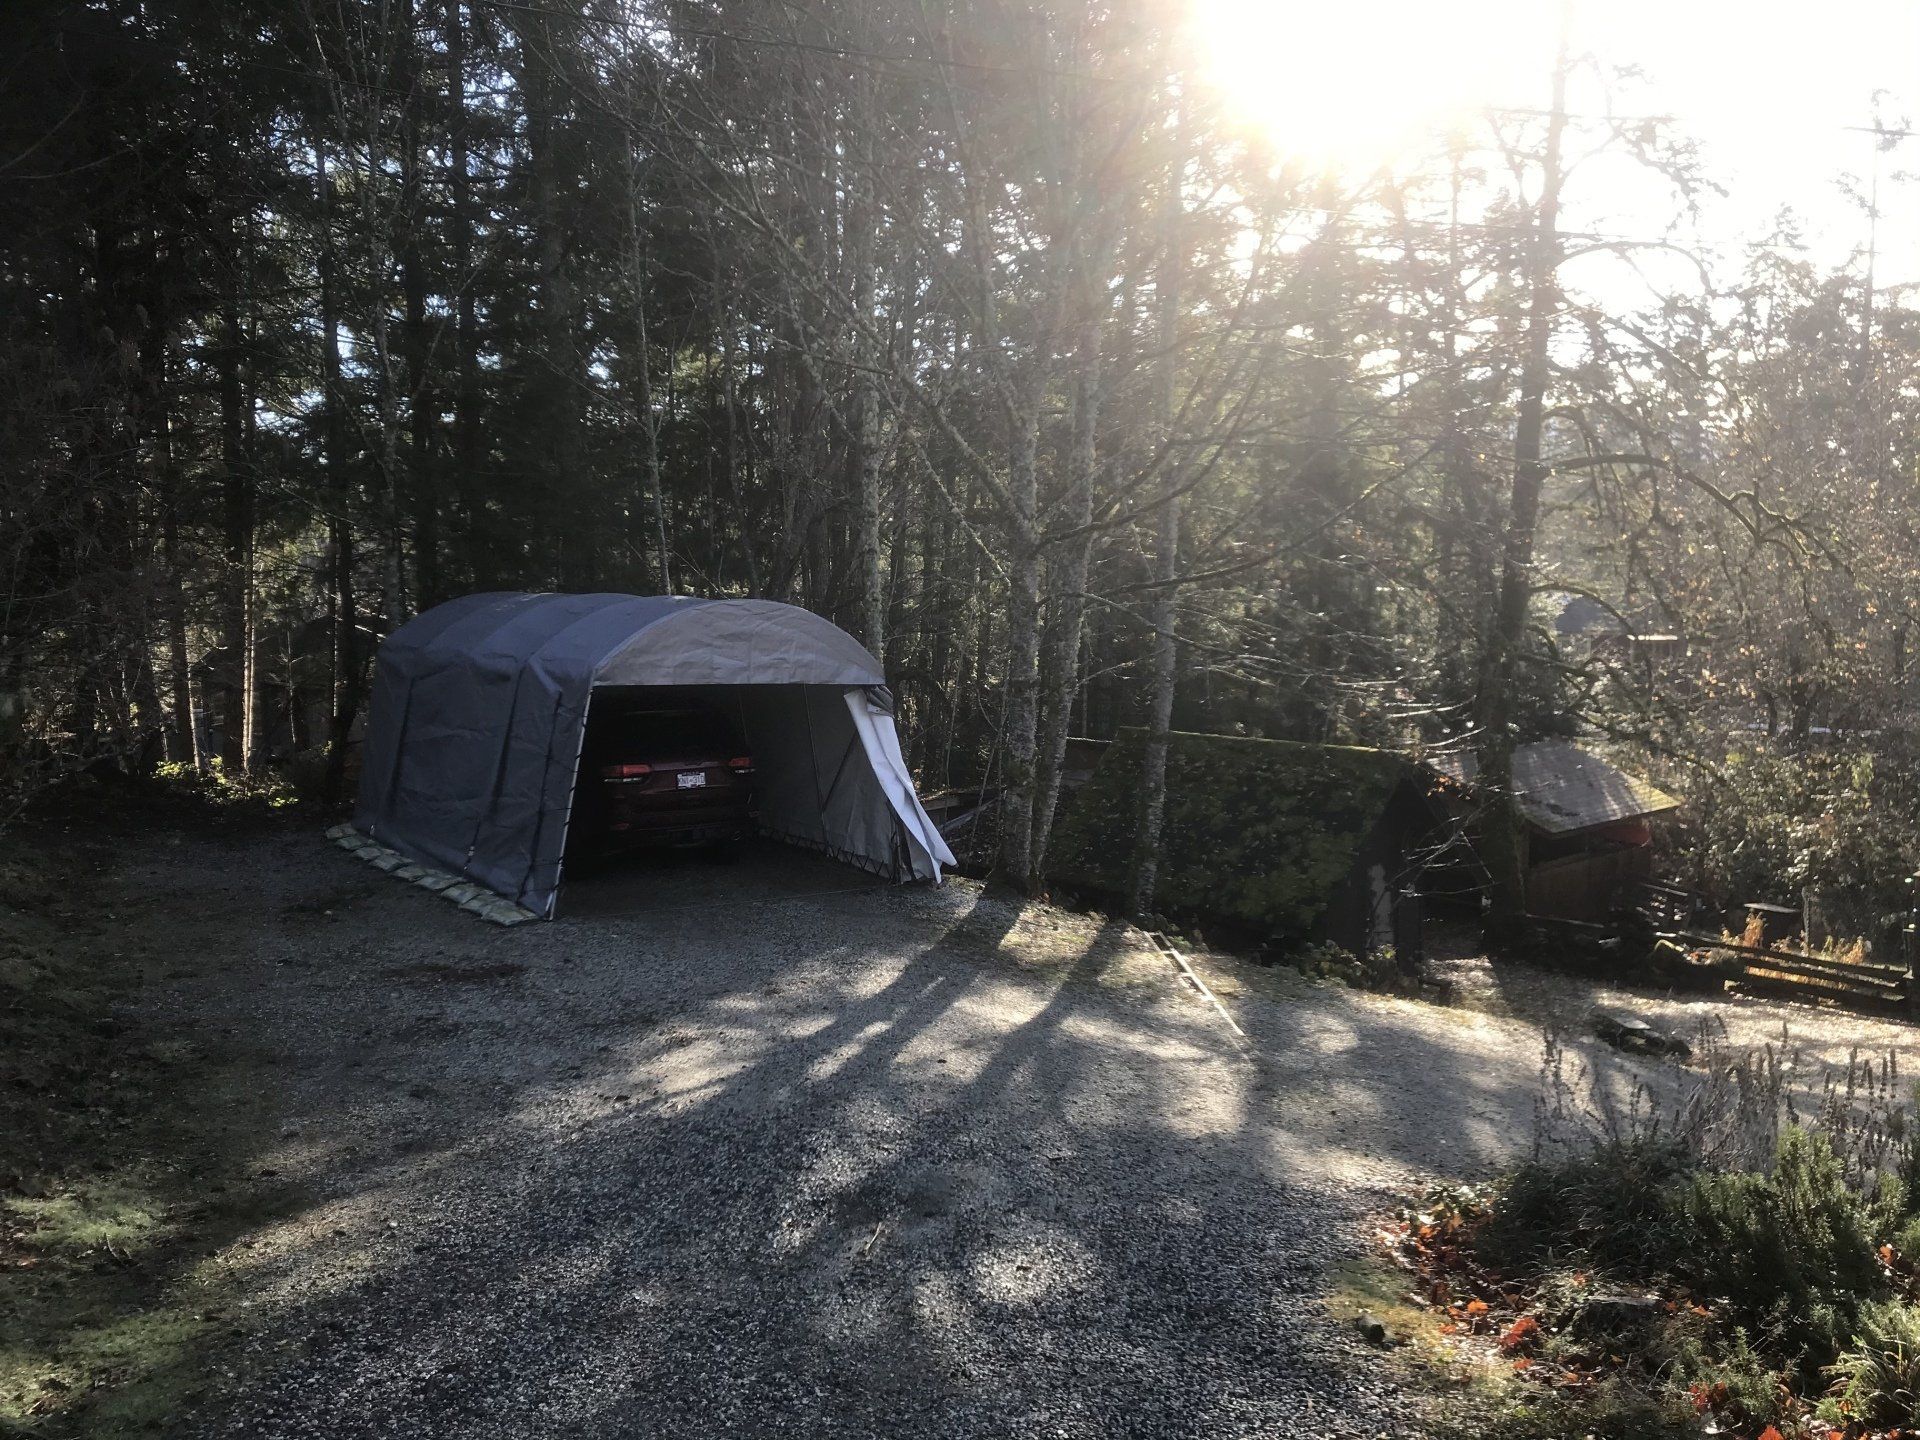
(1803, 976)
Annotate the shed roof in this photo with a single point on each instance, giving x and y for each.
(1584, 615)
(1561, 788)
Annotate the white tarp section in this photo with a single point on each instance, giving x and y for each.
(882, 743)
(828, 773)
(740, 642)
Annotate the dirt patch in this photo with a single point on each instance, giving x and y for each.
(330, 900)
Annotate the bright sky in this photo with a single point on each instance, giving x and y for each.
(1767, 88)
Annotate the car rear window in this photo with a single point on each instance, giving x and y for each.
(663, 730)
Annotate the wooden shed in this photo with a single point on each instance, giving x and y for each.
(1588, 824)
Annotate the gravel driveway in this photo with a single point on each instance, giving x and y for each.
(773, 1148)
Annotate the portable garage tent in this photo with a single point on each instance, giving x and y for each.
(480, 709)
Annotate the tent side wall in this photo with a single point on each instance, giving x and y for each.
(476, 726)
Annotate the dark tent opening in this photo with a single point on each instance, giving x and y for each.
(481, 710)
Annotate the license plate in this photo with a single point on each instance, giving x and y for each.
(691, 779)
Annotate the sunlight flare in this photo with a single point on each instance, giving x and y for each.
(1356, 86)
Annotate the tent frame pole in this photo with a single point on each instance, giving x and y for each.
(566, 816)
(566, 820)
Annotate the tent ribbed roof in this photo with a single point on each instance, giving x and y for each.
(576, 636)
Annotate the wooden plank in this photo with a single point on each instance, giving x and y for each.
(1833, 970)
(1879, 991)
(1167, 948)
(1712, 942)
(1813, 989)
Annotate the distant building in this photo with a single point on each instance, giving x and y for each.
(1584, 628)
(1582, 616)
(1588, 824)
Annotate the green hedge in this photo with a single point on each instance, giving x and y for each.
(1258, 831)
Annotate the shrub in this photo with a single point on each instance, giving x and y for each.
(1612, 1205)
(1257, 832)
(1775, 822)
(1328, 961)
(1791, 1252)
(1747, 1222)
(1720, 1370)
(1878, 1376)
(268, 786)
(1614, 1411)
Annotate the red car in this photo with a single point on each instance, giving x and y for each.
(667, 777)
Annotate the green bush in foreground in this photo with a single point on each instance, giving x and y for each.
(1613, 1207)
(1793, 1300)
(1792, 1251)
(1879, 1375)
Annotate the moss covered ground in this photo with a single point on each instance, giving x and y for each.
(124, 1161)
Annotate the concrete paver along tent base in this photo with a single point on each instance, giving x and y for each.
(480, 709)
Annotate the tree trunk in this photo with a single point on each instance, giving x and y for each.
(342, 608)
(236, 488)
(1163, 674)
(183, 741)
(546, 40)
(387, 498)
(468, 452)
(417, 335)
(1069, 603)
(723, 326)
(1163, 661)
(862, 248)
(653, 497)
(1502, 837)
(1023, 683)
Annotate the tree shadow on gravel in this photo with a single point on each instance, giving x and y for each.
(827, 1192)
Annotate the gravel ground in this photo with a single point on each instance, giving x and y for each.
(1817, 1035)
(772, 1148)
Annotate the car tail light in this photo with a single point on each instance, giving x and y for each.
(626, 772)
(741, 764)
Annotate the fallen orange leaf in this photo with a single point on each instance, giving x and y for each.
(1522, 1332)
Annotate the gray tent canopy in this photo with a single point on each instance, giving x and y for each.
(480, 709)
